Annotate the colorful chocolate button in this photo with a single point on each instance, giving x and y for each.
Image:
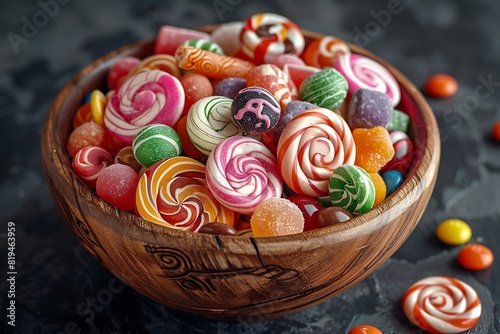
(475, 257)
(441, 86)
(365, 329)
(453, 232)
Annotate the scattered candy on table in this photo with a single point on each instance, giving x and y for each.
(365, 329)
(495, 131)
(441, 304)
(453, 232)
(441, 86)
(475, 257)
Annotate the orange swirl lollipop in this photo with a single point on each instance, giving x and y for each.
(311, 147)
(162, 62)
(173, 193)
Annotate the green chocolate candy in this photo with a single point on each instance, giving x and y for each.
(326, 88)
(156, 142)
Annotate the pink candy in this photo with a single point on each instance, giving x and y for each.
(117, 185)
(169, 38)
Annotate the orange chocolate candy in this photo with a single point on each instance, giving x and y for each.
(373, 148)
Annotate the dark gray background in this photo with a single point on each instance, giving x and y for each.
(57, 279)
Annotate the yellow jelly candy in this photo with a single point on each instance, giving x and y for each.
(373, 148)
(380, 188)
(453, 232)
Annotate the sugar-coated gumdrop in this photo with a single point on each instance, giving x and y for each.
(117, 185)
(156, 142)
(196, 87)
(326, 88)
(89, 162)
(87, 134)
(399, 121)
(441, 85)
(255, 110)
(393, 179)
(475, 257)
(373, 148)
(453, 232)
(333, 215)
(380, 188)
(120, 69)
(369, 108)
(188, 147)
(229, 87)
(217, 228)
(276, 216)
(310, 208)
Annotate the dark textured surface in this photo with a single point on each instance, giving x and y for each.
(60, 287)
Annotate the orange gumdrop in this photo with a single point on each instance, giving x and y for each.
(380, 188)
(276, 216)
(441, 85)
(196, 87)
(87, 134)
(373, 148)
(187, 145)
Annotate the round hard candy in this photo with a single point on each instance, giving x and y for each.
(241, 172)
(326, 88)
(393, 179)
(270, 34)
(98, 103)
(120, 69)
(210, 122)
(273, 79)
(364, 72)
(441, 304)
(369, 108)
(229, 87)
(453, 232)
(89, 163)
(255, 110)
(475, 257)
(174, 193)
(325, 51)
(156, 142)
(351, 188)
(116, 184)
(310, 209)
(196, 87)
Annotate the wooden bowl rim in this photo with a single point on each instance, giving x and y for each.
(425, 171)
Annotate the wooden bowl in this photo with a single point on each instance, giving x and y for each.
(235, 278)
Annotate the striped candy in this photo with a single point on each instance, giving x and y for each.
(363, 72)
(204, 45)
(173, 193)
(325, 51)
(89, 162)
(440, 304)
(145, 98)
(351, 188)
(162, 62)
(311, 147)
(210, 121)
(241, 173)
(156, 142)
(326, 89)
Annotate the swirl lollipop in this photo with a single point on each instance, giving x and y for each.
(173, 193)
(270, 34)
(241, 173)
(210, 121)
(441, 304)
(363, 72)
(311, 147)
(162, 62)
(89, 162)
(145, 98)
(325, 51)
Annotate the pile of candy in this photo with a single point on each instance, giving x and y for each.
(244, 131)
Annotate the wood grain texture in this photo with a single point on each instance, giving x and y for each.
(235, 278)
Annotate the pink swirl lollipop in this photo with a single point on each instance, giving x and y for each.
(270, 34)
(89, 162)
(145, 98)
(311, 147)
(363, 72)
(441, 304)
(241, 173)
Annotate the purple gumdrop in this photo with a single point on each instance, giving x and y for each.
(369, 108)
(229, 87)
